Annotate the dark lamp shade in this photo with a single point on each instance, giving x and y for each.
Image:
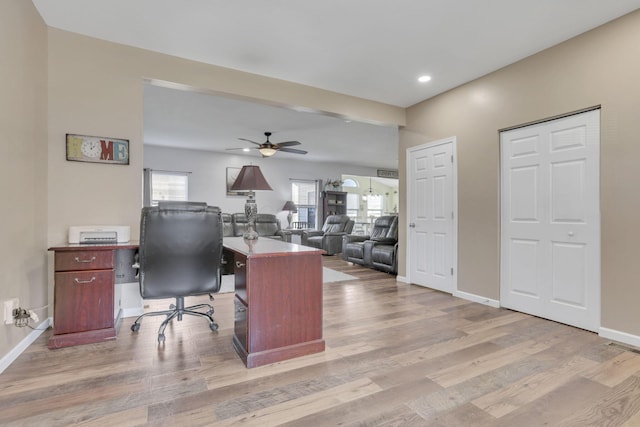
(290, 206)
(250, 178)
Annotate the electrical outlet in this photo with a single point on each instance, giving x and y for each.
(9, 306)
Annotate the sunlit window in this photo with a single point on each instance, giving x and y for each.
(304, 195)
(349, 183)
(353, 205)
(374, 206)
(169, 186)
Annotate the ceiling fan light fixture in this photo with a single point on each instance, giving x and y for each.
(267, 151)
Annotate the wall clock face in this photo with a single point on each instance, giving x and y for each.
(91, 149)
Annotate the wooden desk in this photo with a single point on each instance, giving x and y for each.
(278, 300)
(83, 307)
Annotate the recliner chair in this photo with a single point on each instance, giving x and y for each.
(378, 250)
(180, 255)
(330, 237)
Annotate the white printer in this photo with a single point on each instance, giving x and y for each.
(93, 234)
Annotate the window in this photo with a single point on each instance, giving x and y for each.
(350, 183)
(169, 186)
(353, 205)
(374, 206)
(304, 195)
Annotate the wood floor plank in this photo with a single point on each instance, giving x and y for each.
(373, 407)
(466, 415)
(557, 405)
(129, 418)
(298, 408)
(446, 347)
(433, 405)
(528, 389)
(634, 421)
(617, 405)
(462, 372)
(493, 322)
(614, 371)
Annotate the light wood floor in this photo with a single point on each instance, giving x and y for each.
(396, 355)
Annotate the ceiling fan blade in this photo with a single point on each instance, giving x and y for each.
(242, 148)
(248, 140)
(292, 150)
(287, 143)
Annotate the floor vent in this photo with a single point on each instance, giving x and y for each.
(624, 347)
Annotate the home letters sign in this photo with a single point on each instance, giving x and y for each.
(97, 149)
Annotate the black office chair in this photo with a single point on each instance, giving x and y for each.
(180, 255)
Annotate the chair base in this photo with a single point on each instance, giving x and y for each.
(177, 310)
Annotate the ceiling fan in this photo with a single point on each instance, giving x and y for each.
(268, 148)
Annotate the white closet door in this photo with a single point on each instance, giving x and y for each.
(550, 221)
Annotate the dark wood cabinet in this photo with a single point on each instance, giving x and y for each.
(278, 300)
(333, 203)
(83, 308)
(83, 301)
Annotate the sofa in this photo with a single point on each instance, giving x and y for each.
(378, 250)
(267, 225)
(329, 238)
(227, 225)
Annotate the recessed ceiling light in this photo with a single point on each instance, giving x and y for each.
(424, 79)
(246, 149)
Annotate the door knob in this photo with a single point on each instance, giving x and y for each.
(412, 225)
(570, 234)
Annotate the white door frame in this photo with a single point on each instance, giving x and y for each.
(454, 202)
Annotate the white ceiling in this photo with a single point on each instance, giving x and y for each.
(205, 122)
(373, 49)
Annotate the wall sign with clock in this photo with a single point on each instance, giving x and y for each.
(97, 149)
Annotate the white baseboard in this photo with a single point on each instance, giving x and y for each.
(622, 337)
(16, 351)
(476, 298)
(402, 279)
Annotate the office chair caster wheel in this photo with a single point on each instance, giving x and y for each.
(161, 339)
(213, 326)
(135, 327)
(210, 312)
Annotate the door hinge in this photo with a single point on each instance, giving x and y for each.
(451, 214)
(452, 158)
(452, 271)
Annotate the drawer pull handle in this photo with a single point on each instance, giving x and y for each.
(93, 279)
(85, 260)
(239, 264)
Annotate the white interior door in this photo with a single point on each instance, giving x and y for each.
(550, 221)
(431, 203)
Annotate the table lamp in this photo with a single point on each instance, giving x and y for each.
(250, 179)
(292, 208)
